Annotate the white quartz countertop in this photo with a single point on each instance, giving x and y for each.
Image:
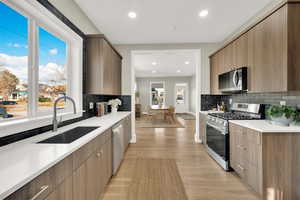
(210, 111)
(23, 161)
(265, 126)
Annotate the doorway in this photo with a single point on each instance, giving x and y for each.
(181, 98)
(157, 90)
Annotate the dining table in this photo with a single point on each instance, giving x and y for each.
(160, 109)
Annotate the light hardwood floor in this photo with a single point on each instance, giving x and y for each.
(202, 178)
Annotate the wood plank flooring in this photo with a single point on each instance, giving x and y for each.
(202, 178)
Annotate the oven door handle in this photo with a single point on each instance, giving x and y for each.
(217, 128)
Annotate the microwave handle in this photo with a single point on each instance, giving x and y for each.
(235, 81)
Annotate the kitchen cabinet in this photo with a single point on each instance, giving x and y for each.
(90, 178)
(203, 119)
(127, 131)
(82, 175)
(245, 155)
(268, 162)
(228, 64)
(269, 49)
(214, 73)
(104, 67)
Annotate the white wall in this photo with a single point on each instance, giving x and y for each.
(143, 86)
(125, 51)
(74, 13)
(193, 93)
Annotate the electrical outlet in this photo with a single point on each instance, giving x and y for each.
(283, 103)
(91, 105)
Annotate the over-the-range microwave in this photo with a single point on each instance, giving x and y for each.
(233, 81)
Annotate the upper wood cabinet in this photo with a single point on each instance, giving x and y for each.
(104, 67)
(227, 54)
(214, 71)
(270, 50)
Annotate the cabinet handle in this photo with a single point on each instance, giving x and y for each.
(239, 166)
(241, 147)
(99, 154)
(42, 190)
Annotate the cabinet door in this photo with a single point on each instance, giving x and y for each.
(94, 82)
(117, 73)
(87, 179)
(214, 75)
(64, 191)
(233, 149)
(203, 128)
(228, 59)
(107, 68)
(240, 51)
(269, 53)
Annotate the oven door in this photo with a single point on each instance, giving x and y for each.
(218, 141)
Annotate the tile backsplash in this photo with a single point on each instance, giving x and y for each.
(290, 98)
(92, 98)
(209, 102)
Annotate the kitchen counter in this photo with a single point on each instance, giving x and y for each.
(265, 126)
(23, 161)
(210, 111)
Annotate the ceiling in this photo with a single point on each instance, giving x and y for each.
(167, 63)
(169, 21)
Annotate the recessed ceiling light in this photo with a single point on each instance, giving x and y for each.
(178, 71)
(153, 71)
(154, 63)
(132, 15)
(187, 62)
(203, 13)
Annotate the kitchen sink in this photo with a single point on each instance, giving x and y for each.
(70, 135)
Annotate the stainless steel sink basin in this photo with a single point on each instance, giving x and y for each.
(70, 135)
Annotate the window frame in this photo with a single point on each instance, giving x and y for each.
(39, 16)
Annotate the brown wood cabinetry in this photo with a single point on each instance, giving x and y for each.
(82, 175)
(228, 63)
(245, 155)
(203, 119)
(267, 162)
(127, 131)
(269, 49)
(104, 67)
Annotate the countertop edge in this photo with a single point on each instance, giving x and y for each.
(253, 127)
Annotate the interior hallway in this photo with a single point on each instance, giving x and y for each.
(201, 177)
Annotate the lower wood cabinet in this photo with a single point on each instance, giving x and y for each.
(202, 122)
(127, 131)
(267, 162)
(81, 176)
(245, 155)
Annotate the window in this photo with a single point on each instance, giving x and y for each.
(52, 70)
(40, 59)
(13, 64)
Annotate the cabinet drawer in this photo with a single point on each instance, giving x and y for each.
(83, 154)
(38, 189)
(64, 191)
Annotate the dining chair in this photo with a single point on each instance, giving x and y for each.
(170, 114)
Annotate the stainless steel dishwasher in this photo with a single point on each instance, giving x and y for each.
(118, 146)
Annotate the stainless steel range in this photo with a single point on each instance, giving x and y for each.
(217, 129)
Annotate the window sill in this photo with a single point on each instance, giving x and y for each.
(20, 125)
